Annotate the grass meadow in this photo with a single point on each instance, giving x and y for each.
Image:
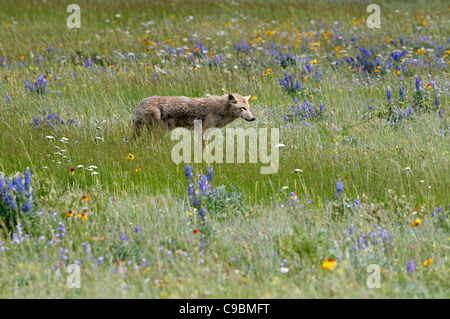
(363, 114)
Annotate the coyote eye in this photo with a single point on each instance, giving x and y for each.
(243, 108)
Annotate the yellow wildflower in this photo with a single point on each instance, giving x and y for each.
(329, 264)
(417, 222)
(428, 262)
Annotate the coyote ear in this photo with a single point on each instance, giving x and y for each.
(231, 98)
(247, 97)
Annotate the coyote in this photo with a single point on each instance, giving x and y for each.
(161, 113)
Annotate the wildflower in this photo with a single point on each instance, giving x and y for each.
(339, 187)
(402, 90)
(85, 198)
(209, 174)
(137, 229)
(284, 270)
(411, 268)
(27, 182)
(27, 207)
(188, 171)
(17, 183)
(130, 156)
(61, 230)
(69, 213)
(388, 94)
(329, 264)
(417, 222)
(72, 171)
(417, 82)
(123, 237)
(428, 262)
(252, 99)
(196, 231)
(203, 184)
(37, 86)
(83, 216)
(203, 214)
(436, 102)
(351, 229)
(191, 192)
(441, 113)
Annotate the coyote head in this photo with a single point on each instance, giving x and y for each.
(239, 106)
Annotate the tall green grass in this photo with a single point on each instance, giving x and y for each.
(399, 172)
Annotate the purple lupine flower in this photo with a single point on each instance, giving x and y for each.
(203, 214)
(27, 207)
(402, 90)
(188, 171)
(441, 113)
(417, 82)
(6, 197)
(8, 98)
(203, 184)
(13, 204)
(388, 94)
(209, 174)
(9, 184)
(436, 102)
(27, 182)
(351, 230)
(191, 191)
(411, 268)
(339, 187)
(17, 183)
(123, 237)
